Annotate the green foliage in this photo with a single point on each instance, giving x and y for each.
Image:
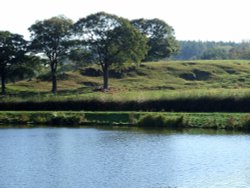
(242, 51)
(42, 118)
(47, 76)
(216, 53)
(230, 121)
(132, 119)
(80, 57)
(66, 119)
(125, 44)
(245, 121)
(107, 117)
(191, 50)
(110, 40)
(52, 38)
(160, 121)
(12, 50)
(160, 35)
(29, 67)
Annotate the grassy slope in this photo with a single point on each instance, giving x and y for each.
(154, 80)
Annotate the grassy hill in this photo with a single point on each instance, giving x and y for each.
(155, 80)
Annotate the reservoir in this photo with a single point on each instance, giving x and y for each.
(123, 157)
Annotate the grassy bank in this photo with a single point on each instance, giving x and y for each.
(232, 121)
(179, 86)
(150, 81)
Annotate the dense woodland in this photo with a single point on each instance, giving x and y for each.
(193, 50)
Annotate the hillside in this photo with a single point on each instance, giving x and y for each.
(170, 79)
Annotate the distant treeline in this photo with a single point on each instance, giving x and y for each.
(191, 50)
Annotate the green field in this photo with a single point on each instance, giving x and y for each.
(155, 80)
(207, 81)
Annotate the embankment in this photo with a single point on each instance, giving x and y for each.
(232, 121)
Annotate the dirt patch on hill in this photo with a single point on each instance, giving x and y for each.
(196, 75)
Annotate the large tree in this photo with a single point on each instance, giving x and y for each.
(12, 50)
(110, 40)
(52, 38)
(161, 39)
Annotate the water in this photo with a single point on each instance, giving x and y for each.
(89, 157)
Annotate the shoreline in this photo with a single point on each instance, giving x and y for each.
(158, 120)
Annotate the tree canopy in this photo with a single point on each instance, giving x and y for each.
(110, 40)
(12, 49)
(161, 39)
(210, 50)
(52, 37)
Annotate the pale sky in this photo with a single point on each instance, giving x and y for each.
(217, 20)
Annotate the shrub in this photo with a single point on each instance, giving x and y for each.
(132, 118)
(158, 121)
(71, 120)
(48, 77)
(246, 122)
(40, 118)
(23, 119)
(232, 123)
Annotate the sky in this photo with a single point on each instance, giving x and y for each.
(206, 20)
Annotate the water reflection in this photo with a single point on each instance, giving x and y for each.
(175, 131)
(123, 157)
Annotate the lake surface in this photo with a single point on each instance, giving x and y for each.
(100, 158)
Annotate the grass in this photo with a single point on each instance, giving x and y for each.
(191, 86)
(156, 80)
(230, 121)
(161, 121)
(182, 86)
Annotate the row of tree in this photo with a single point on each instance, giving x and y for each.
(190, 50)
(100, 38)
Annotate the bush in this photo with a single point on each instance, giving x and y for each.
(71, 120)
(246, 122)
(132, 119)
(160, 121)
(40, 118)
(48, 76)
(232, 124)
(23, 119)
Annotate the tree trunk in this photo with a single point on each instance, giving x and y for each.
(105, 76)
(3, 92)
(54, 82)
(53, 66)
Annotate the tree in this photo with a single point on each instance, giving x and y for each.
(161, 40)
(190, 50)
(216, 53)
(110, 40)
(241, 51)
(80, 57)
(52, 38)
(28, 67)
(12, 49)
